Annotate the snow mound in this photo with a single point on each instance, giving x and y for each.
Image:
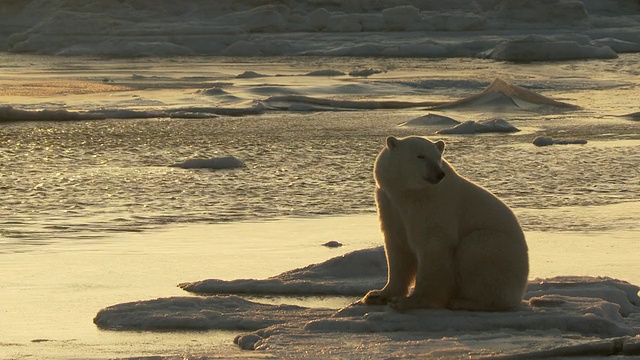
(429, 120)
(539, 48)
(481, 127)
(547, 141)
(364, 267)
(501, 95)
(250, 75)
(227, 162)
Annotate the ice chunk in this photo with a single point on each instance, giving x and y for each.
(200, 313)
(328, 72)
(351, 274)
(430, 119)
(227, 162)
(502, 95)
(617, 45)
(539, 48)
(480, 127)
(365, 72)
(250, 75)
(547, 141)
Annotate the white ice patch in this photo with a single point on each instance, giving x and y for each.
(227, 162)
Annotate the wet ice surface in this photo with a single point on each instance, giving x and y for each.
(562, 316)
(89, 178)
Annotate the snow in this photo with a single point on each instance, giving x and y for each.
(502, 28)
(227, 162)
(566, 315)
(481, 127)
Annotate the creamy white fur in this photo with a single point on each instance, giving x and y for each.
(458, 244)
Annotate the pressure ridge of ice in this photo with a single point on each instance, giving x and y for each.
(498, 29)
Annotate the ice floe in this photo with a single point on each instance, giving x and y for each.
(227, 162)
(565, 315)
(547, 141)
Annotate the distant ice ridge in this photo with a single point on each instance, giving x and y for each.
(560, 316)
(492, 28)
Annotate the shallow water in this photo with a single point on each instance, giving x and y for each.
(80, 179)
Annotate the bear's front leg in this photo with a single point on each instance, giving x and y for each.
(401, 273)
(435, 279)
(401, 261)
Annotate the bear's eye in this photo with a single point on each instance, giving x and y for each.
(422, 157)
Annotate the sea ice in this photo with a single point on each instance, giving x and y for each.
(429, 120)
(504, 96)
(9, 113)
(539, 48)
(547, 141)
(227, 162)
(559, 316)
(481, 127)
(364, 28)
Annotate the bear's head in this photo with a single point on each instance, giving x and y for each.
(410, 163)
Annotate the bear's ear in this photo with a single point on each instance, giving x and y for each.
(392, 142)
(440, 145)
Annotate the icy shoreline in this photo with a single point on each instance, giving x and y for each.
(495, 29)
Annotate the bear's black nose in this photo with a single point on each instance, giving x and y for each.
(440, 176)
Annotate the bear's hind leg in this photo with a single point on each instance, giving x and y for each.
(492, 272)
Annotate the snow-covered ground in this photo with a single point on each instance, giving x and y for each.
(517, 30)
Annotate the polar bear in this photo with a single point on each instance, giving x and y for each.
(457, 243)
